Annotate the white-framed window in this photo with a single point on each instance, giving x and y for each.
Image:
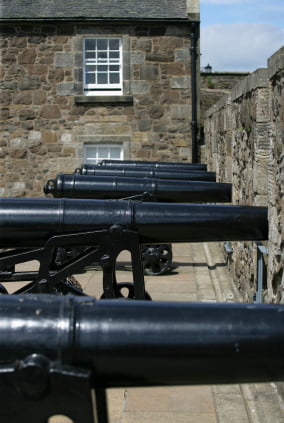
(103, 66)
(93, 153)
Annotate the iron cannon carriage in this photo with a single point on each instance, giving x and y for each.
(34, 229)
(59, 352)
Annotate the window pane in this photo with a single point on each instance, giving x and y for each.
(90, 54)
(91, 152)
(90, 44)
(91, 68)
(102, 44)
(102, 56)
(90, 78)
(102, 78)
(114, 68)
(114, 78)
(102, 68)
(102, 152)
(114, 152)
(114, 54)
(114, 44)
(95, 152)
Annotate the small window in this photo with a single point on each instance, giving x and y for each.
(103, 66)
(93, 153)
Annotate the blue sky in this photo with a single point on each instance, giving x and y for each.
(240, 35)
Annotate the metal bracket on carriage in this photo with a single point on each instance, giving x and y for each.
(102, 246)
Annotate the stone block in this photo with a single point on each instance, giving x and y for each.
(29, 83)
(66, 137)
(143, 44)
(156, 112)
(39, 97)
(56, 75)
(149, 72)
(3, 152)
(50, 111)
(61, 39)
(8, 85)
(180, 82)
(170, 97)
(8, 58)
(67, 88)
(181, 111)
(18, 153)
(137, 58)
(28, 56)
(144, 125)
(37, 69)
(182, 55)
(184, 152)
(145, 100)
(27, 114)
(49, 137)
(35, 136)
(171, 43)
(5, 98)
(17, 142)
(23, 98)
(53, 148)
(36, 147)
(180, 142)
(160, 56)
(64, 60)
(172, 69)
(139, 87)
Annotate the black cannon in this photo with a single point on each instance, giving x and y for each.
(157, 260)
(54, 350)
(155, 164)
(146, 172)
(161, 190)
(35, 228)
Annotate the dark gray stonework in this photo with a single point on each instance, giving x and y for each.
(97, 9)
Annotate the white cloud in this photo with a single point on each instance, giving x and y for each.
(239, 46)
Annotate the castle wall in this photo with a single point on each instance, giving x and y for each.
(244, 137)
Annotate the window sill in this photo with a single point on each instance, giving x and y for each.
(86, 99)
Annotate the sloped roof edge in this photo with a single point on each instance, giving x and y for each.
(93, 9)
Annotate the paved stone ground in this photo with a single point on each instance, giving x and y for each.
(199, 274)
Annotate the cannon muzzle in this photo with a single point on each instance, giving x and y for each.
(144, 343)
(146, 172)
(30, 222)
(162, 190)
(153, 164)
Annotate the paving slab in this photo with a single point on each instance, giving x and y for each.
(199, 273)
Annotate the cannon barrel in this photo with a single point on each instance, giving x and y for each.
(146, 172)
(157, 165)
(30, 222)
(147, 343)
(166, 190)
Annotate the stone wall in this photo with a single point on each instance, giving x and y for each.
(214, 85)
(244, 137)
(45, 119)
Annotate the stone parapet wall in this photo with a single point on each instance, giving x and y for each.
(244, 143)
(46, 119)
(275, 180)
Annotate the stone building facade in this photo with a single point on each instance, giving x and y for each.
(244, 133)
(50, 121)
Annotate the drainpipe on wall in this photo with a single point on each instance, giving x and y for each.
(194, 125)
